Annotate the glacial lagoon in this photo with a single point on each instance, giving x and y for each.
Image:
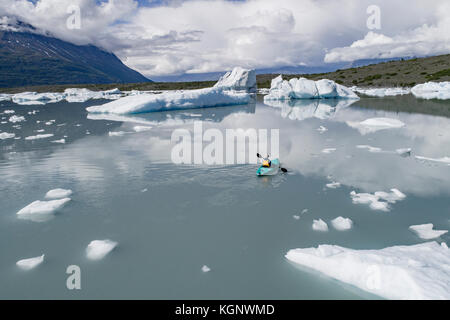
(171, 220)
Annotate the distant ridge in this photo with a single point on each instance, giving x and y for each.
(30, 57)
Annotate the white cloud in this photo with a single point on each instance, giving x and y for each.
(206, 36)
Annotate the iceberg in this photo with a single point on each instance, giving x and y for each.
(380, 200)
(15, 119)
(58, 193)
(205, 269)
(30, 98)
(342, 224)
(30, 263)
(303, 88)
(40, 211)
(426, 232)
(382, 92)
(432, 90)
(98, 249)
(6, 135)
(39, 136)
(375, 124)
(222, 94)
(400, 272)
(320, 225)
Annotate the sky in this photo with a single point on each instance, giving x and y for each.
(173, 37)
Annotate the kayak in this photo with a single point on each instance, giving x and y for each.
(269, 171)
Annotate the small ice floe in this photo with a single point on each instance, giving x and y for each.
(375, 124)
(442, 160)
(342, 224)
(28, 264)
(380, 200)
(382, 92)
(116, 133)
(88, 132)
(98, 249)
(369, 148)
(305, 211)
(426, 232)
(33, 112)
(6, 135)
(141, 128)
(205, 269)
(415, 272)
(40, 211)
(62, 141)
(39, 136)
(333, 185)
(144, 190)
(322, 129)
(296, 217)
(40, 130)
(15, 119)
(320, 225)
(328, 150)
(9, 112)
(58, 193)
(404, 152)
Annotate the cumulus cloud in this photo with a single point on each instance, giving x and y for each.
(176, 37)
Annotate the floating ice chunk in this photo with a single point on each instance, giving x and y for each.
(30, 98)
(370, 148)
(399, 272)
(425, 231)
(58, 193)
(15, 119)
(443, 159)
(404, 152)
(296, 217)
(342, 224)
(116, 133)
(380, 200)
(40, 130)
(238, 79)
(328, 150)
(28, 264)
(432, 90)
(382, 92)
(320, 225)
(98, 249)
(302, 88)
(62, 141)
(322, 129)
(375, 124)
(40, 211)
(333, 185)
(8, 111)
(6, 135)
(141, 128)
(81, 95)
(39, 136)
(205, 269)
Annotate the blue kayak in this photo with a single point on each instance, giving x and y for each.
(269, 171)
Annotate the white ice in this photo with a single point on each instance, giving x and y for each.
(342, 224)
(188, 99)
(141, 128)
(98, 249)
(322, 129)
(116, 133)
(205, 269)
(9, 112)
(62, 141)
(425, 231)
(380, 200)
(375, 124)
(369, 148)
(30, 263)
(432, 90)
(382, 92)
(58, 193)
(442, 160)
(40, 211)
(6, 135)
(328, 150)
(319, 225)
(303, 88)
(400, 272)
(333, 185)
(30, 98)
(39, 136)
(15, 119)
(238, 79)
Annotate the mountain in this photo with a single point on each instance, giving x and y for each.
(32, 57)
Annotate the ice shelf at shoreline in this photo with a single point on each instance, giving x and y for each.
(303, 88)
(400, 272)
(223, 93)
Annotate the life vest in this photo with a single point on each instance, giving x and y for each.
(266, 163)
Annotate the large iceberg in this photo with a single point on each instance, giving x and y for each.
(222, 94)
(27, 98)
(432, 90)
(98, 249)
(400, 272)
(30, 263)
(303, 88)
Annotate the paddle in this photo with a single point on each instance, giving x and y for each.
(282, 169)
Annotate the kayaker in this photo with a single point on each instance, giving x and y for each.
(266, 162)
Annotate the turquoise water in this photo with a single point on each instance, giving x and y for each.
(169, 220)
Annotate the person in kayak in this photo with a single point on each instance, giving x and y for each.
(266, 162)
